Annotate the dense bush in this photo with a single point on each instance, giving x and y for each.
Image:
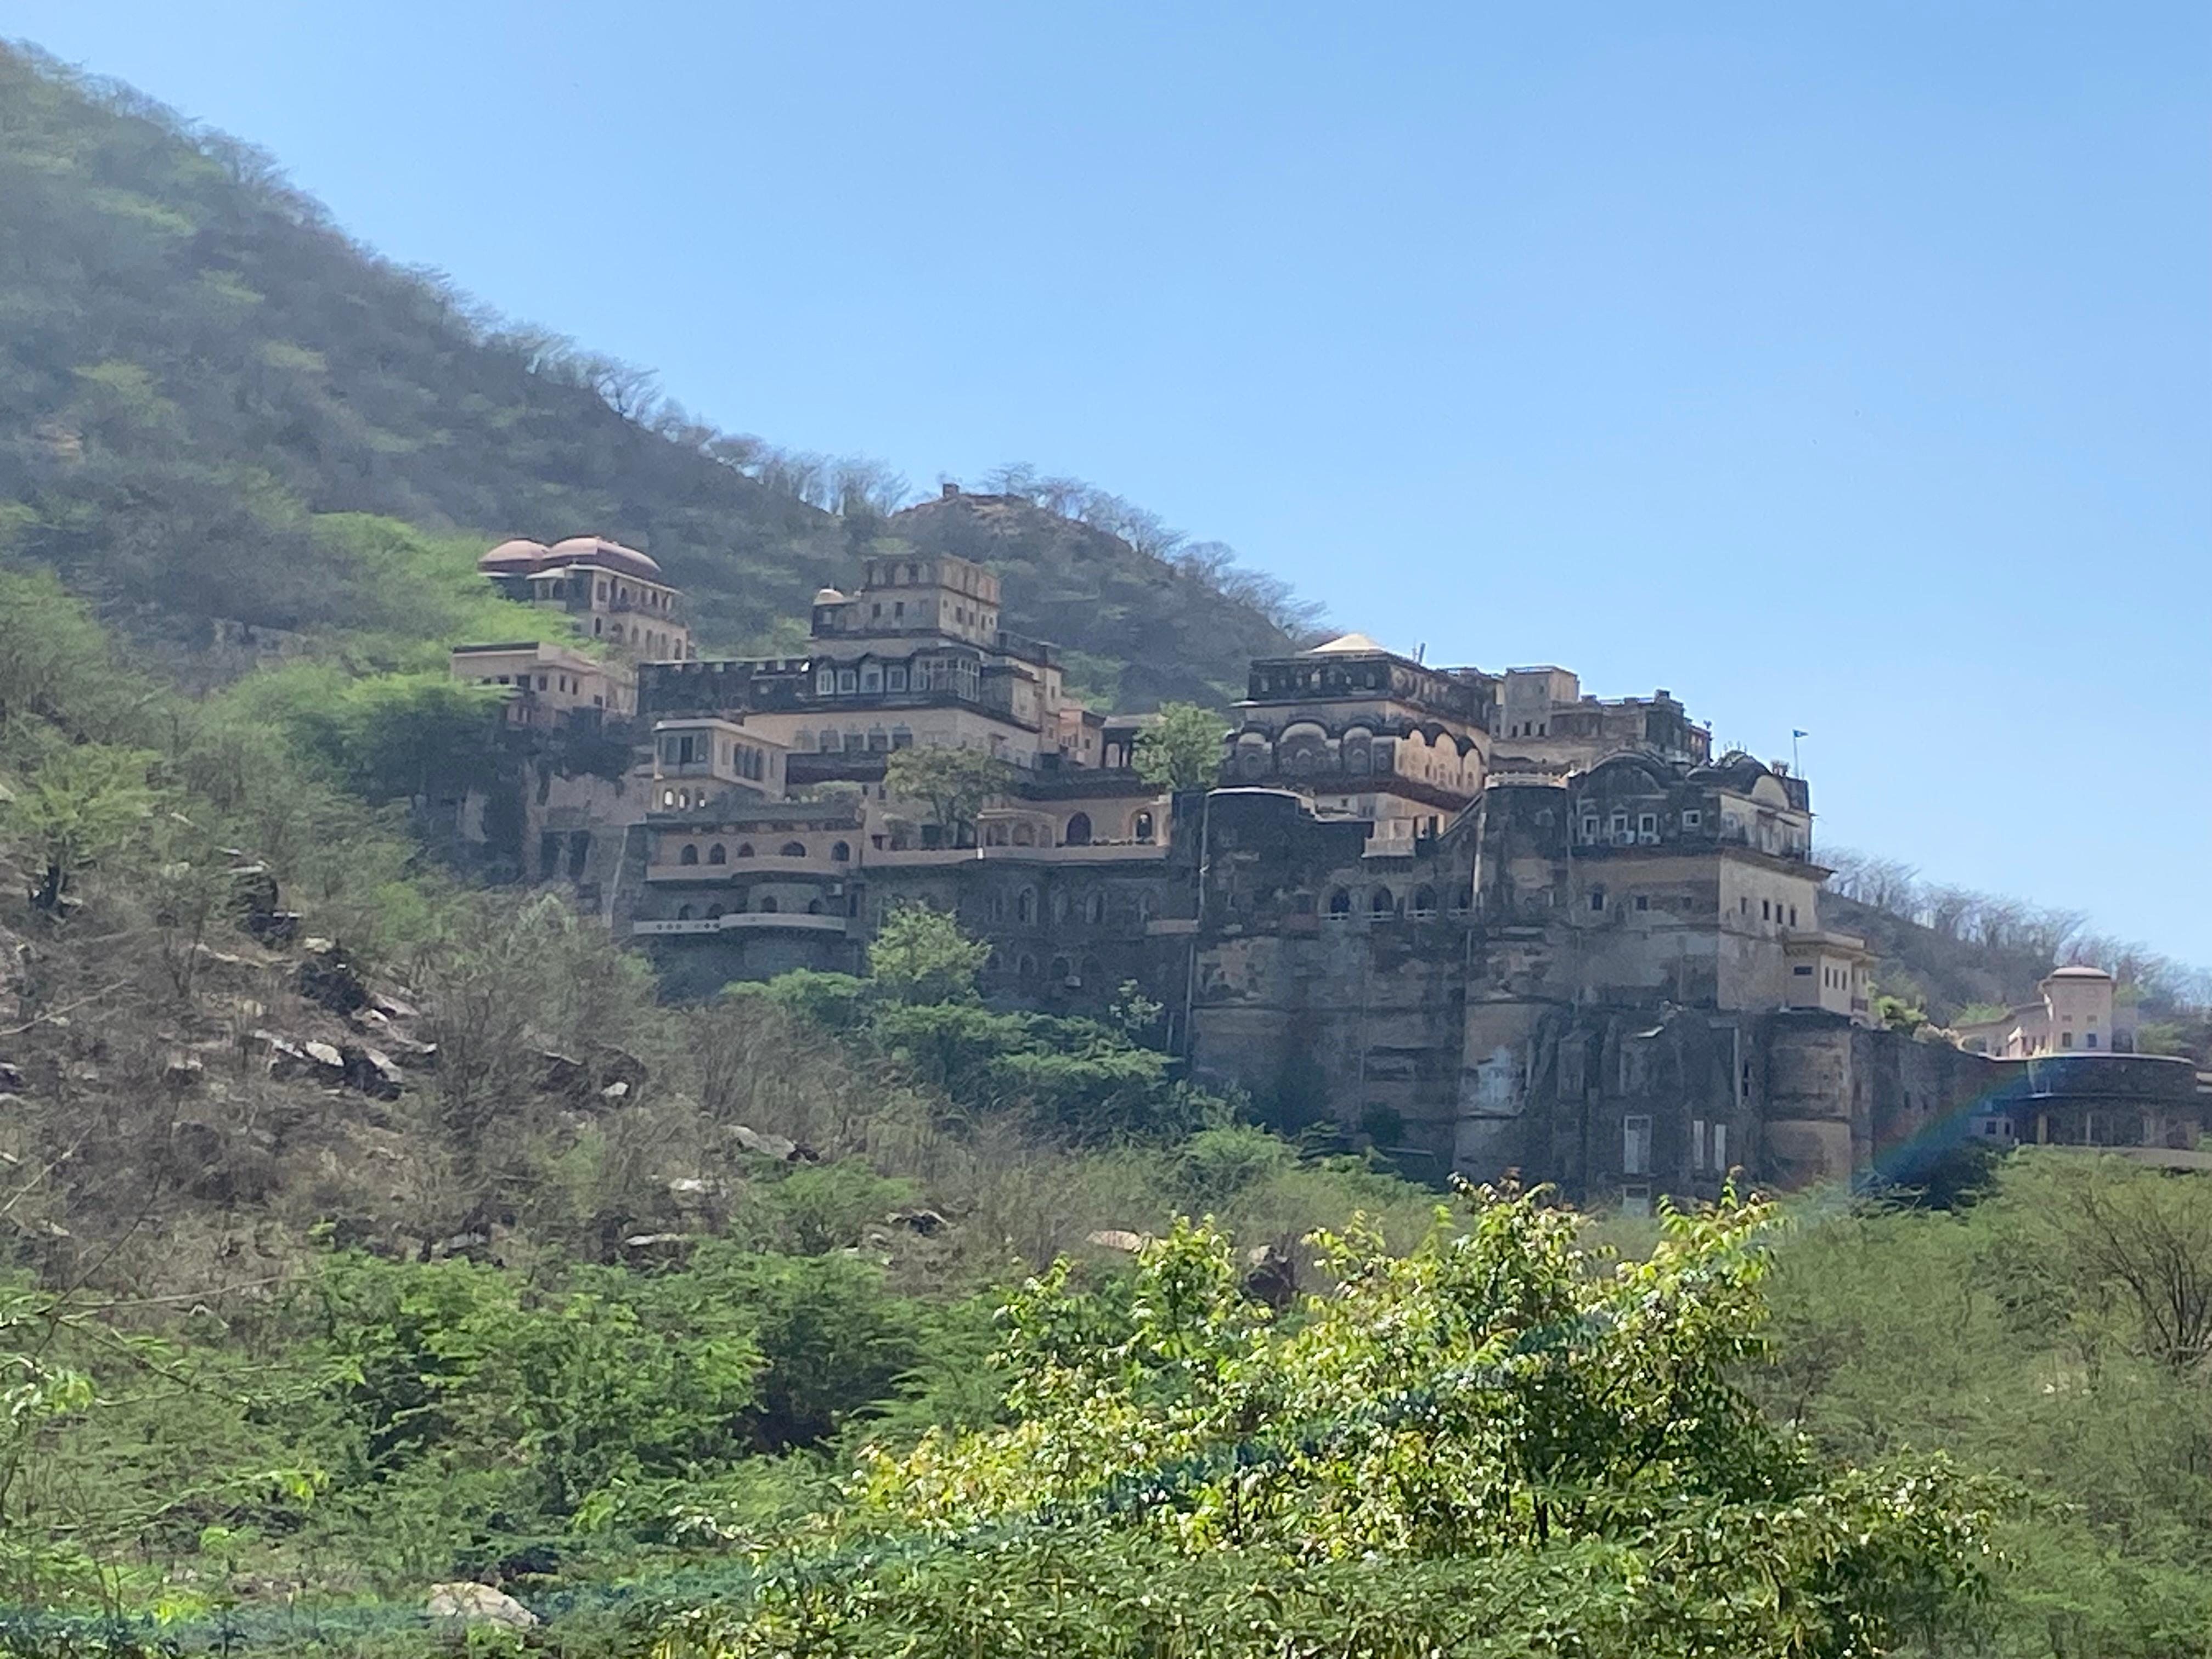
(1491, 1445)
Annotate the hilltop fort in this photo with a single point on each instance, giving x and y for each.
(1483, 920)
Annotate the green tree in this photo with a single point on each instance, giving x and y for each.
(1182, 750)
(1496, 1445)
(919, 954)
(955, 784)
(82, 803)
(2051, 1333)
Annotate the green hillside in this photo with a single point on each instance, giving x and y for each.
(200, 367)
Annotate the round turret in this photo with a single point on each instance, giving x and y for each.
(608, 555)
(514, 556)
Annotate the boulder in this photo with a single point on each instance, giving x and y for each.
(373, 1073)
(253, 889)
(317, 1062)
(559, 1073)
(612, 1064)
(1116, 1238)
(391, 1005)
(781, 1148)
(1270, 1276)
(273, 926)
(478, 1604)
(329, 980)
(416, 1056)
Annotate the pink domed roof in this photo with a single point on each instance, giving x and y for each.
(514, 554)
(610, 556)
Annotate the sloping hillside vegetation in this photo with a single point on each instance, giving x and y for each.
(359, 1232)
(200, 369)
(379, 1257)
(1956, 954)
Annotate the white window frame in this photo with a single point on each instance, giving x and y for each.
(1636, 1143)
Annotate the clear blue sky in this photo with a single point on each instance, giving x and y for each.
(1841, 367)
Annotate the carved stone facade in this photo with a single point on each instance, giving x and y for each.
(1483, 922)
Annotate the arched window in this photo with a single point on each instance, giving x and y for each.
(682, 913)
(1356, 760)
(1028, 967)
(689, 855)
(1141, 827)
(814, 907)
(1094, 908)
(1383, 904)
(1025, 905)
(744, 849)
(1425, 900)
(1079, 830)
(1060, 969)
(994, 835)
(1059, 907)
(1340, 903)
(1252, 760)
(714, 913)
(793, 849)
(718, 853)
(841, 852)
(768, 904)
(1024, 835)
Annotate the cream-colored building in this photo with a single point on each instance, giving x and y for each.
(2075, 1013)
(1544, 719)
(547, 683)
(616, 595)
(1364, 733)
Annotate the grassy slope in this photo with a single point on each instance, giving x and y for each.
(198, 364)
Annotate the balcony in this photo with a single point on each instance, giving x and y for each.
(1097, 852)
(742, 922)
(765, 864)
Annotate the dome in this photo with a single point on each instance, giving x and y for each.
(513, 556)
(608, 555)
(2079, 970)
(829, 596)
